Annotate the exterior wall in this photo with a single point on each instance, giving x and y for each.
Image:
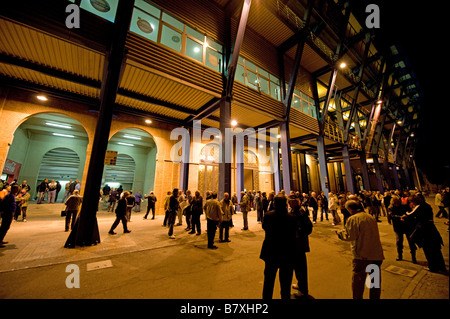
(17, 107)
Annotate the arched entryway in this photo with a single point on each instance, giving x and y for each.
(251, 171)
(208, 169)
(135, 166)
(49, 145)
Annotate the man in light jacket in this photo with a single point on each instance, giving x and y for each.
(362, 230)
(213, 213)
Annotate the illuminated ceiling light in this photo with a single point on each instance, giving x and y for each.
(399, 122)
(148, 121)
(233, 123)
(261, 146)
(58, 125)
(278, 136)
(342, 65)
(196, 49)
(126, 144)
(412, 134)
(42, 97)
(132, 137)
(379, 101)
(63, 135)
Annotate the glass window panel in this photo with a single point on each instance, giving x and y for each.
(104, 9)
(264, 83)
(297, 103)
(172, 21)
(252, 80)
(239, 75)
(214, 61)
(275, 91)
(195, 34)
(241, 60)
(194, 50)
(263, 72)
(171, 38)
(250, 65)
(147, 7)
(215, 45)
(144, 25)
(313, 111)
(274, 79)
(305, 107)
(297, 92)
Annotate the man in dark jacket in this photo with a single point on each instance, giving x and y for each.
(121, 211)
(425, 234)
(174, 205)
(304, 229)
(8, 208)
(42, 188)
(278, 248)
(72, 206)
(151, 204)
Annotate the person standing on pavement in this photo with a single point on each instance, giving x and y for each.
(257, 205)
(72, 206)
(278, 248)
(395, 214)
(22, 204)
(425, 233)
(245, 207)
(131, 202)
(151, 202)
(121, 211)
(362, 230)
(8, 208)
(42, 189)
(227, 211)
(312, 202)
(323, 204)
(196, 211)
(438, 202)
(173, 207)
(304, 229)
(213, 212)
(138, 201)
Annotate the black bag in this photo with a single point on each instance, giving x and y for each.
(63, 213)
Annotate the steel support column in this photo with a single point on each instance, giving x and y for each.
(395, 175)
(225, 103)
(239, 165)
(323, 165)
(348, 170)
(224, 164)
(286, 162)
(378, 173)
(85, 231)
(185, 160)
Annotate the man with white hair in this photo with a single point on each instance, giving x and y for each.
(362, 230)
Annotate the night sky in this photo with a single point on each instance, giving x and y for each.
(417, 26)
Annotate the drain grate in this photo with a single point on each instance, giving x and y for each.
(401, 271)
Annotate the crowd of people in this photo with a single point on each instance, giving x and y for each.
(287, 220)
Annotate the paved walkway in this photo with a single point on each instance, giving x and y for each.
(147, 264)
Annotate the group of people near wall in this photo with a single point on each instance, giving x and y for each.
(285, 220)
(51, 190)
